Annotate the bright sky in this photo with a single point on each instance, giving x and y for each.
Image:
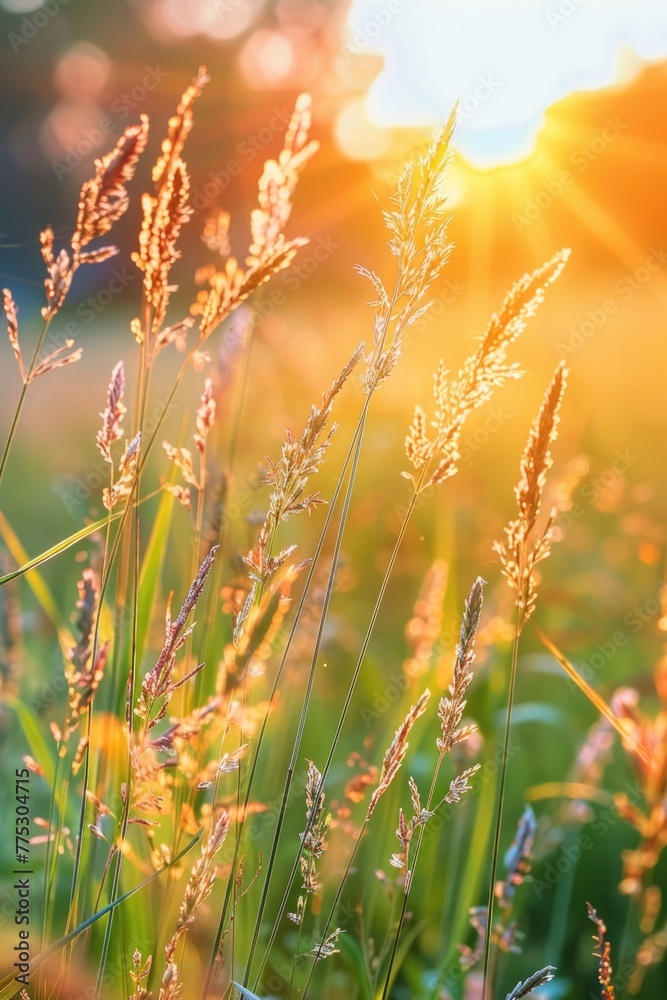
(506, 61)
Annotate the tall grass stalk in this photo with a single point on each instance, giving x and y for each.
(356, 444)
(391, 765)
(417, 268)
(338, 732)
(487, 979)
(527, 544)
(434, 458)
(331, 509)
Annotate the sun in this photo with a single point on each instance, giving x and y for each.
(504, 64)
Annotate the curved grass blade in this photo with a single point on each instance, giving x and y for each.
(33, 734)
(595, 698)
(37, 584)
(66, 543)
(55, 550)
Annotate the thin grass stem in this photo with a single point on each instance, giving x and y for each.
(487, 979)
(21, 401)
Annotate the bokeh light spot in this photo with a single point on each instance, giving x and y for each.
(266, 58)
(357, 137)
(21, 6)
(83, 72)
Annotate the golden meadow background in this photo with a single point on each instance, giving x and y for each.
(92, 63)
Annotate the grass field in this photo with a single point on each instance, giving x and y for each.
(332, 607)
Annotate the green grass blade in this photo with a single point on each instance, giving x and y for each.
(353, 955)
(66, 543)
(37, 585)
(55, 550)
(33, 734)
(150, 570)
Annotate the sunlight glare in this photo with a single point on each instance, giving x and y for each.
(530, 54)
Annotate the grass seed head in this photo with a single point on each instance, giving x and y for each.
(112, 417)
(452, 705)
(526, 545)
(396, 752)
